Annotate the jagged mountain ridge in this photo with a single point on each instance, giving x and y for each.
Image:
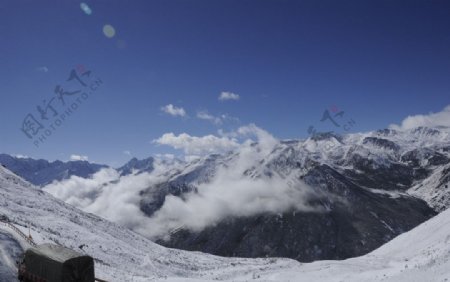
(392, 160)
(138, 166)
(42, 172)
(373, 171)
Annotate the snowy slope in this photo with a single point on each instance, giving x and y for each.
(423, 254)
(419, 255)
(120, 254)
(10, 250)
(435, 190)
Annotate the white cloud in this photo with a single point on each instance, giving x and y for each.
(126, 152)
(173, 111)
(225, 96)
(78, 158)
(229, 195)
(193, 145)
(217, 120)
(205, 116)
(441, 118)
(19, 156)
(81, 192)
(265, 140)
(107, 195)
(165, 156)
(191, 158)
(212, 144)
(226, 117)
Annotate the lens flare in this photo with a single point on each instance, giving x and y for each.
(86, 9)
(109, 31)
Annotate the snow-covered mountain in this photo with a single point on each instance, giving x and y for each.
(121, 255)
(435, 188)
(367, 184)
(42, 172)
(137, 166)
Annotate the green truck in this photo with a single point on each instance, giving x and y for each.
(54, 263)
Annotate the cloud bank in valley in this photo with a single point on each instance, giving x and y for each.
(106, 194)
(441, 118)
(229, 193)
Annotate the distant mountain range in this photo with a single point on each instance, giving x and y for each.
(42, 172)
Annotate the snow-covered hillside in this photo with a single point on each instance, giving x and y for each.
(120, 254)
(435, 189)
(422, 254)
(10, 250)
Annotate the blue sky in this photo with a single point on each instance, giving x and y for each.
(378, 61)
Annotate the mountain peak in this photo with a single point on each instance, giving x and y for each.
(135, 165)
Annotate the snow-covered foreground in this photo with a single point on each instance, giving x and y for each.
(121, 255)
(423, 254)
(10, 251)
